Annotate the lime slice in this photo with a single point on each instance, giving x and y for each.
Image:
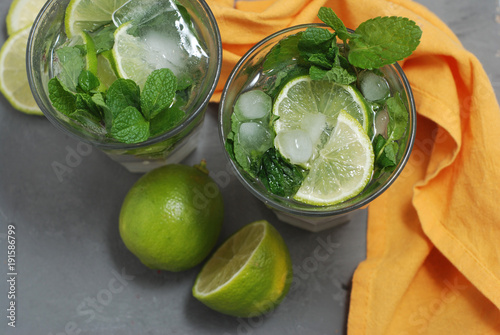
(310, 107)
(88, 15)
(22, 13)
(303, 96)
(131, 56)
(342, 169)
(248, 275)
(13, 77)
(106, 68)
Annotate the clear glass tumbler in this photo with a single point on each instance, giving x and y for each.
(248, 74)
(169, 147)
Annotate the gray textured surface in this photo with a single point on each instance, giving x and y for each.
(70, 256)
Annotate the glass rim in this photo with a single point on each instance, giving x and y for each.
(118, 145)
(315, 211)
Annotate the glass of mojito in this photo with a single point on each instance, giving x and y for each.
(312, 135)
(131, 77)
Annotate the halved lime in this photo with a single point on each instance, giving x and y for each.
(89, 15)
(22, 13)
(312, 106)
(13, 77)
(248, 275)
(343, 167)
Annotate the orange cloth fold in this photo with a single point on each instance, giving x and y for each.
(433, 251)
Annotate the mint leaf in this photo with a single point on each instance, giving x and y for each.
(272, 88)
(107, 115)
(62, 100)
(104, 38)
(129, 126)
(184, 13)
(282, 54)
(386, 150)
(398, 117)
(184, 82)
(388, 157)
(88, 120)
(279, 176)
(383, 41)
(87, 81)
(320, 60)
(71, 64)
(229, 145)
(337, 75)
(84, 101)
(317, 73)
(166, 120)
(121, 94)
(378, 145)
(315, 40)
(158, 93)
(328, 16)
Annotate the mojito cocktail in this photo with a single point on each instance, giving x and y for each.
(315, 126)
(131, 77)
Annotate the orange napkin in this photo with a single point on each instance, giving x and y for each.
(433, 240)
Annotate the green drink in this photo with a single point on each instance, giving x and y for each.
(311, 134)
(131, 77)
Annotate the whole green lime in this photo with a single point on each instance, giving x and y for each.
(172, 216)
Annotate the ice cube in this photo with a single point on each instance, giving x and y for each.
(164, 52)
(295, 145)
(253, 136)
(253, 105)
(373, 87)
(314, 125)
(170, 41)
(141, 11)
(381, 122)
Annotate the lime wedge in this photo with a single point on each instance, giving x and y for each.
(248, 275)
(91, 55)
(311, 107)
(106, 68)
(13, 77)
(22, 13)
(88, 15)
(343, 167)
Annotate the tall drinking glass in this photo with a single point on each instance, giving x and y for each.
(249, 75)
(48, 32)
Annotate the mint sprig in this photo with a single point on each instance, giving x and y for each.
(123, 112)
(376, 42)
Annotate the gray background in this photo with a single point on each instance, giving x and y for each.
(69, 253)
